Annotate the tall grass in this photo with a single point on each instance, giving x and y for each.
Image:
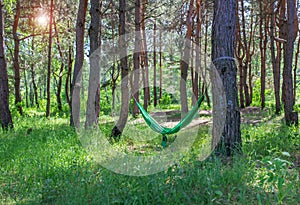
(43, 162)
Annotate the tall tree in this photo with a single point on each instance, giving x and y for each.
(184, 63)
(154, 67)
(94, 33)
(18, 98)
(223, 40)
(287, 86)
(274, 58)
(77, 74)
(119, 127)
(5, 115)
(144, 56)
(136, 55)
(61, 70)
(263, 52)
(49, 60)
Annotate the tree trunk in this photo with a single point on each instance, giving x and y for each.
(119, 127)
(62, 65)
(18, 98)
(223, 39)
(184, 63)
(246, 62)
(154, 67)
(68, 84)
(77, 74)
(145, 58)
(94, 77)
(295, 71)
(287, 87)
(136, 56)
(5, 115)
(26, 89)
(198, 56)
(263, 56)
(49, 61)
(160, 64)
(35, 96)
(240, 54)
(276, 77)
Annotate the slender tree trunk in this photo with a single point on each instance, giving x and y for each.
(246, 62)
(184, 63)
(136, 56)
(26, 88)
(115, 72)
(145, 57)
(18, 98)
(94, 76)
(5, 115)
(240, 54)
(223, 39)
(160, 64)
(62, 65)
(35, 89)
(295, 71)
(77, 74)
(154, 67)
(68, 83)
(198, 56)
(262, 57)
(49, 61)
(119, 127)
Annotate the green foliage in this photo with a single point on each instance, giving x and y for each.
(256, 100)
(43, 162)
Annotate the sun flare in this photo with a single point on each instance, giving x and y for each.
(42, 20)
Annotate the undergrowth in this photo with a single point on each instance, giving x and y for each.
(43, 162)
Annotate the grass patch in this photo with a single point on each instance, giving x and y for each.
(42, 162)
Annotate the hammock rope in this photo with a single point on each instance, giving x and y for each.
(155, 126)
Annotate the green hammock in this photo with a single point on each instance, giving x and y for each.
(153, 124)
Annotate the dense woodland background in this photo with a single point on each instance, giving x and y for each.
(45, 47)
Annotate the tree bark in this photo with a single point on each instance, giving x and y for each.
(287, 87)
(35, 96)
(136, 56)
(154, 67)
(77, 74)
(263, 57)
(49, 61)
(92, 112)
(61, 70)
(223, 39)
(198, 56)
(5, 115)
(18, 98)
(119, 127)
(184, 63)
(145, 57)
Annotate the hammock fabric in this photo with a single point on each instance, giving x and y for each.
(153, 124)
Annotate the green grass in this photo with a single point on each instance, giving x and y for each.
(48, 165)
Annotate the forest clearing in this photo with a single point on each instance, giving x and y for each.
(149, 102)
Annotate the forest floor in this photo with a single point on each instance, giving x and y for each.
(49, 165)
